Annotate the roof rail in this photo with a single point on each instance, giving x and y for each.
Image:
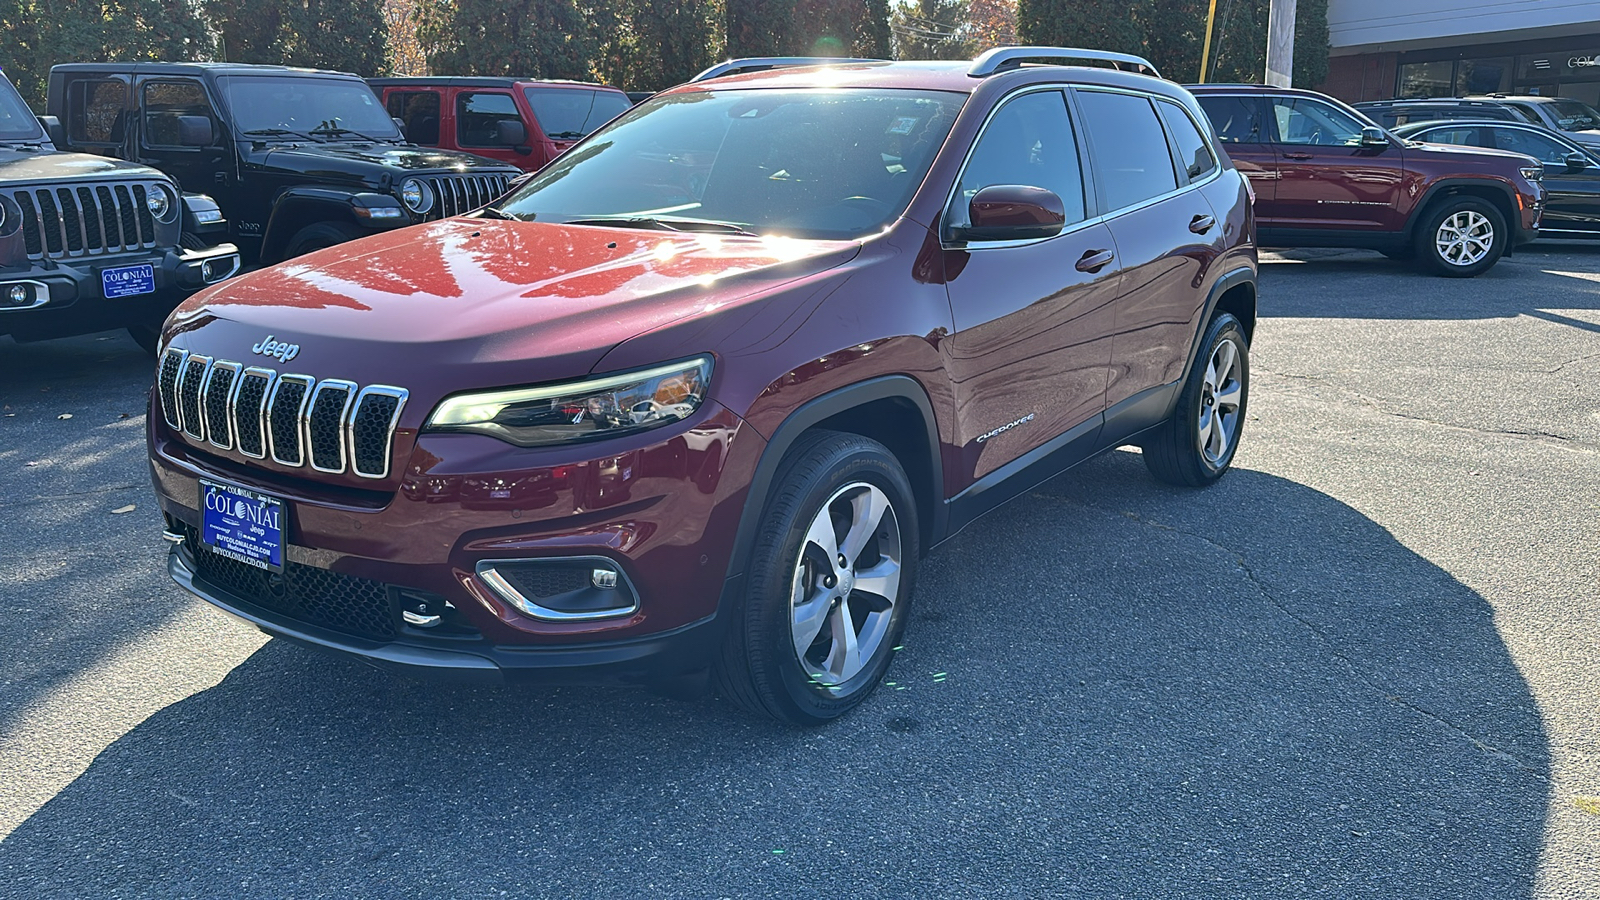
(762, 63)
(1003, 58)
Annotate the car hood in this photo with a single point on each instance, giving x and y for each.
(473, 303)
(363, 158)
(51, 165)
(1458, 154)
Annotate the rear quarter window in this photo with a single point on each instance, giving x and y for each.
(1129, 148)
(1194, 154)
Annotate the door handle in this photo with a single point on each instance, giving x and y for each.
(1201, 224)
(1094, 260)
(1296, 155)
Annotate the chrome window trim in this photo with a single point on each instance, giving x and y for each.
(173, 416)
(485, 570)
(401, 395)
(1077, 131)
(350, 389)
(227, 413)
(183, 378)
(261, 408)
(299, 414)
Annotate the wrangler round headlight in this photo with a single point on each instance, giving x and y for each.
(416, 196)
(604, 407)
(160, 204)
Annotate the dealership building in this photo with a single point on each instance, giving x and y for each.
(1443, 48)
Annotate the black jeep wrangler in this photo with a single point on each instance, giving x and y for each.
(88, 244)
(298, 159)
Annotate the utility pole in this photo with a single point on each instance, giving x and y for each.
(1280, 43)
(1205, 51)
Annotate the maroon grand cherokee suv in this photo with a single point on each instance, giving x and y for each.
(1326, 176)
(699, 395)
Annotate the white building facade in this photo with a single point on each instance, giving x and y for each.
(1452, 48)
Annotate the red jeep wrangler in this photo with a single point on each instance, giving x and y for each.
(1326, 176)
(515, 120)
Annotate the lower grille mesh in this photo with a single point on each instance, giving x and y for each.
(343, 603)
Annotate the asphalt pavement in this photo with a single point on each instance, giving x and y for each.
(1362, 665)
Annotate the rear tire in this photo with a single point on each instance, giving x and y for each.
(1461, 237)
(319, 236)
(1196, 444)
(814, 638)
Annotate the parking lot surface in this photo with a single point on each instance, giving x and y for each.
(1363, 664)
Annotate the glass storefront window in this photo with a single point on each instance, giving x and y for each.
(1426, 79)
(1482, 76)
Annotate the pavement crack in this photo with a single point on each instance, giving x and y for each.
(1362, 673)
(35, 501)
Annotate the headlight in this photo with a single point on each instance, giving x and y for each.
(416, 196)
(159, 202)
(1533, 173)
(605, 407)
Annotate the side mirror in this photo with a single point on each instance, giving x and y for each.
(1577, 162)
(1372, 136)
(1012, 212)
(400, 125)
(53, 130)
(194, 131)
(510, 133)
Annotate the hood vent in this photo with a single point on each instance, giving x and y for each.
(333, 425)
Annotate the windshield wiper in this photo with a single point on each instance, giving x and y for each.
(489, 212)
(278, 132)
(564, 135)
(665, 224)
(335, 129)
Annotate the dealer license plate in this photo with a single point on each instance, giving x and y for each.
(242, 525)
(128, 281)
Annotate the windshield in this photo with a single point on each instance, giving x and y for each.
(820, 164)
(16, 120)
(566, 114)
(307, 106)
(1573, 115)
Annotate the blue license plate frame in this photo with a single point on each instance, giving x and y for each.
(128, 281)
(243, 525)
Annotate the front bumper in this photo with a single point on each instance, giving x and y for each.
(67, 297)
(637, 661)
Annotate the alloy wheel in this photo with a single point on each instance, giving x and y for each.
(1464, 238)
(845, 585)
(1220, 395)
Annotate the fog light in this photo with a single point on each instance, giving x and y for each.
(604, 579)
(20, 294)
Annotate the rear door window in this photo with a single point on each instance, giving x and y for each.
(98, 113)
(566, 114)
(478, 117)
(1544, 149)
(1236, 120)
(1129, 148)
(419, 110)
(1194, 154)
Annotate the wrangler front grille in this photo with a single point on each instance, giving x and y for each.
(90, 220)
(457, 194)
(333, 425)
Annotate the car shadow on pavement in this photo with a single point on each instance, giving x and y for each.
(1365, 285)
(1109, 688)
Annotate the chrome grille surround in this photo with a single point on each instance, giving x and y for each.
(294, 419)
(285, 431)
(457, 194)
(315, 422)
(60, 222)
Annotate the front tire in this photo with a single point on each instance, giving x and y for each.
(1461, 238)
(830, 577)
(1196, 444)
(319, 236)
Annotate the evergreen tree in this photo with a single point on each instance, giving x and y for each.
(347, 35)
(932, 29)
(759, 27)
(526, 38)
(38, 34)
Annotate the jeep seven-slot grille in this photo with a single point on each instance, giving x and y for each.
(343, 603)
(333, 425)
(91, 220)
(457, 194)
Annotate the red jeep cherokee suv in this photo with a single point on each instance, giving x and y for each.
(699, 395)
(1326, 176)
